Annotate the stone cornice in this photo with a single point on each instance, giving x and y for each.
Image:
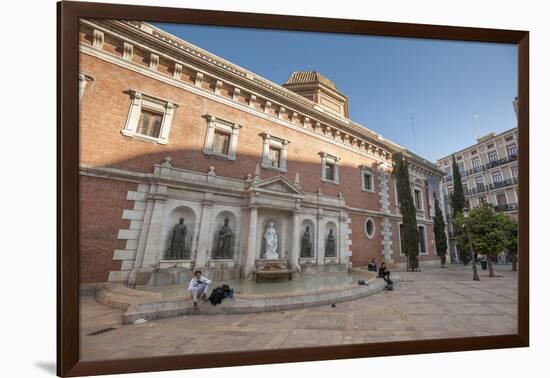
(182, 52)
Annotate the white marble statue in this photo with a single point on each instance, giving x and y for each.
(270, 237)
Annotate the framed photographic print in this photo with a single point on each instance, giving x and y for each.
(240, 188)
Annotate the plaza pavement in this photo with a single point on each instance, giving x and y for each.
(433, 303)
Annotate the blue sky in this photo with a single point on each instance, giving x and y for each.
(391, 83)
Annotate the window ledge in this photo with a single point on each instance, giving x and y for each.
(330, 181)
(267, 166)
(368, 190)
(228, 157)
(144, 138)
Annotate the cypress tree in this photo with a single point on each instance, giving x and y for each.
(410, 238)
(458, 201)
(439, 234)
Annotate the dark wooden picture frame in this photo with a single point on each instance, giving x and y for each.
(68, 13)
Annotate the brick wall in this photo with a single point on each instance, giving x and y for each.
(101, 205)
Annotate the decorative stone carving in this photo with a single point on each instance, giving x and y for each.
(178, 68)
(270, 237)
(223, 248)
(330, 248)
(177, 246)
(306, 249)
(128, 51)
(98, 39)
(154, 62)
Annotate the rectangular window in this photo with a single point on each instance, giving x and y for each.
(476, 164)
(422, 239)
(149, 124)
(491, 145)
(509, 138)
(512, 151)
(473, 153)
(220, 144)
(275, 156)
(461, 167)
(492, 156)
(418, 199)
(482, 200)
(367, 181)
(501, 199)
(497, 177)
(514, 172)
(329, 171)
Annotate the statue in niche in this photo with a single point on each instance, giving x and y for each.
(223, 248)
(330, 249)
(270, 237)
(305, 246)
(177, 246)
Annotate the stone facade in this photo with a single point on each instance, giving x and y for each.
(489, 172)
(170, 131)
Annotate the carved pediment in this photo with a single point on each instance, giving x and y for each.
(279, 184)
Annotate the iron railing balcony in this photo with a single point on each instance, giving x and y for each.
(503, 183)
(481, 168)
(478, 189)
(507, 207)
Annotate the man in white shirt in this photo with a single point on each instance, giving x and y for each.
(198, 287)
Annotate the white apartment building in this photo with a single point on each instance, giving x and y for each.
(489, 171)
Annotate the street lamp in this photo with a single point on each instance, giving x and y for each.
(466, 212)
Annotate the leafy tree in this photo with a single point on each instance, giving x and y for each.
(487, 232)
(439, 234)
(458, 201)
(464, 242)
(410, 238)
(511, 228)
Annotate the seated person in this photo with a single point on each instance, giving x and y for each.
(372, 265)
(384, 273)
(198, 287)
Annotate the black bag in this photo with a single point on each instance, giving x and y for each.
(216, 296)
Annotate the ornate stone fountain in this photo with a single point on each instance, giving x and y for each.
(272, 267)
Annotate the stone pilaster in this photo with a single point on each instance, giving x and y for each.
(295, 251)
(204, 231)
(320, 238)
(251, 244)
(386, 232)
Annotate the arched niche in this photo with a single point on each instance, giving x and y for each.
(190, 221)
(280, 229)
(217, 226)
(308, 223)
(330, 225)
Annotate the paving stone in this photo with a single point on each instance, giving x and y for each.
(433, 303)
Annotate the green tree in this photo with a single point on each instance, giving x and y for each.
(464, 242)
(458, 201)
(487, 232)
(410, 238)
(439, 234)
(511, 227)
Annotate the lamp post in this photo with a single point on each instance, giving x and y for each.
(467, 230)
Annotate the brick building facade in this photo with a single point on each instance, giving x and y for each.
(170, 131)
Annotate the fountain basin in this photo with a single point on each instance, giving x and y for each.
(171, 306)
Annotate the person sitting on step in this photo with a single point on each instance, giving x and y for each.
(198, 287)
(384, 273)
